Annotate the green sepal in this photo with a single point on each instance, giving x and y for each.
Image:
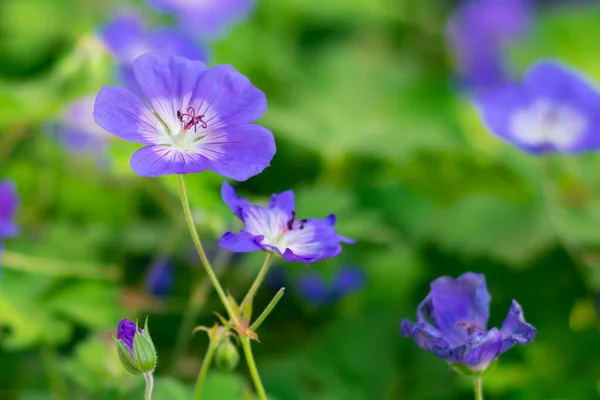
(227, 356)
(144, 352)
(466, 371)
(126, 359)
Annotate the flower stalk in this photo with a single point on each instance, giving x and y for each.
(258, 281)
(260, 390)
(149, 385)
(479, 388)
(208, 357)
(209, 271)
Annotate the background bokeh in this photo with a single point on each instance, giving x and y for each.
(372, 123)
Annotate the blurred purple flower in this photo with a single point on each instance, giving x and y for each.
(276, 229)
(159, 281)
(192, 118)
(126, 333)
(553, 109)
(79, 133)
(127, 38)
(313, 288)
(452, 323)
(207, 18)
(478, 32)
(9, 202)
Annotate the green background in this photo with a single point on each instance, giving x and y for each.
(369, 125)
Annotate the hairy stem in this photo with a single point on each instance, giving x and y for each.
(149, 385)
(209, 271)
(260, 390)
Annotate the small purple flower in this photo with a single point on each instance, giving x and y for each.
(79, 133)
(9, 202)
(314, 289)
(197, 119)
(126, 333)
(553, 109)
(452, 323)
(128, 38)
(160, 278)
(276, 229)
(478, 32)
(208, 18)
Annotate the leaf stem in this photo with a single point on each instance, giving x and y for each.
(209, 271)
(260, 390)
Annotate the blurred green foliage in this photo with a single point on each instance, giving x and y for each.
(370, 126)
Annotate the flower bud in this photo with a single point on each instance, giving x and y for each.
(135, 348)
(227, 357)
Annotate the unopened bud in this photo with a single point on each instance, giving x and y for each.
(135, 348)
(227, 357)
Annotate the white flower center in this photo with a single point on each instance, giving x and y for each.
(545, 122)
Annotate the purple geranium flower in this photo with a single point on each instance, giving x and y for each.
(160, 277)
(126, 333)
(315, 289)
(277, 229)
(197, 119)
(9, 202)
(452, 323)
(78, 131)
(128, 38)
(477, 33)
(553, 109)
(208, 18)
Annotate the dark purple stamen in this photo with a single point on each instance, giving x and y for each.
(190, 119)
(469, 326)
(290, 223)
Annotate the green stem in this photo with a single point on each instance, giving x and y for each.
(479, 388)
(267, 310)
(210, 352)
(258, 281)
(209, 271)
(149, 385)
(260, 390)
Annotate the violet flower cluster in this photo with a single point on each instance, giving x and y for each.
(452, 323)
(315, 289)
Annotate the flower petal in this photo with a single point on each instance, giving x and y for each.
(313, 289)
(242, 242)
(348, 279)
(168, 83)
(426, 337)
(9, 201)
(239, 152)
(227, 97)
(481, 349)
(233, 201)
(283, 201)
(161, 160)
(459, 304)
(123, 114)
(515, 329)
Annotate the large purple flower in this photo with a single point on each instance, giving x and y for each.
(197, 119)
(276, 229)
(128, 38)
(478, 32)
(208, 18)
(9, 202)
(452, 323)
(553, 109)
